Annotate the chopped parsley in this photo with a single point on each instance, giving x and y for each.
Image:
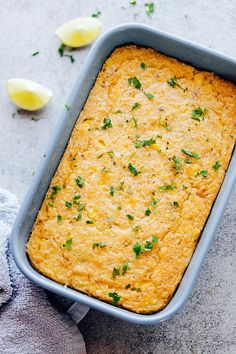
(177, 163)
(134, 2)
(67, 107)
(50, 204)
(125, 267)
(142, 143)
(190, 154)
(130, 217)
(143, 66)
(96, 14)
(68, 244)
(155, 239)
(99, 244)
(75, 199)
(134, 81)
(115, 296)
(106, 123)
(149, 95)
(154, 202)
(136, 106)
(148, 246)
(89, 222)
(55, 190)
(112, 191)
(173, 82)
(197, 113)
(59, 219)
(137, 248)
(150, 8)
(80, 182)
(167, 187)
(175, 204)
(201, 173)
(133, 170)
(115, 272)
(34, 54)
(148, 212)
(135, 122)
(61, 51)
(81, 206)
(187, 161)
(216, 165)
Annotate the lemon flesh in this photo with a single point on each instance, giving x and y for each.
(79, 32)
(27, 94)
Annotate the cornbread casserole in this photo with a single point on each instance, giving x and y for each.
(137, 181)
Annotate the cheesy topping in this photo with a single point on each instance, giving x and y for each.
(135, 186)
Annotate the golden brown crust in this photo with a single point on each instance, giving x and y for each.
(101, 157)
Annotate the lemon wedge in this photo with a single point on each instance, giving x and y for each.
(27, 94)
(79, 32)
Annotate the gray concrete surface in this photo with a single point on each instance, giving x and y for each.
(207, 322)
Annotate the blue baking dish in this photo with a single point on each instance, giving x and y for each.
(170, 45)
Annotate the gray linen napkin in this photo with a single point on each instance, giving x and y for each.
(28, 322)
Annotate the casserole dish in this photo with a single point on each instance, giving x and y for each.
(169, 45)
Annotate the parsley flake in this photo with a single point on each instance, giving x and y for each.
(135, 82)
(68, 204)
(216, 165)
(68, 244)
(143, 66)
(150, 8)
(115, 296)
(61, 51)
(134, 2)
(167, 187)
(125, 267)
(149, 95)
(99, 245)
(55, 190)
(136, 106)
(175, 204)
(177, 163)
(96, 14)
(106, 123)
(142, 143)
(112, 191)
(81, 206)
(197, 113)
(89, 222)
(132, 169)
(59, 219)
(148, 212)
(115, 272)
(190, 154)
(173, 83)
(137, 248)
(203, 173)
(34, 54)
(130, 217)
(80, 182)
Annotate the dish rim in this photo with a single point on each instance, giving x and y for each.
(186, 285)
